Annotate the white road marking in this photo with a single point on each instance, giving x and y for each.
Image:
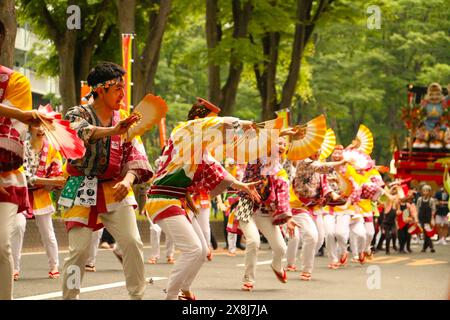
(58, 294)
(259, 263)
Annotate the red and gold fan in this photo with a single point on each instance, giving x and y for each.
(328, 144)
(150, 110)
(60, 135)
(312, 140)
(364, 140)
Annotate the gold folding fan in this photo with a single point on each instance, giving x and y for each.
(365, 138)
(305, 147)
(328, 144)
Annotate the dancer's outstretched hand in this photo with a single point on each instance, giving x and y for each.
(291, 224)
(296, 132)
(33, 118)
(123, 125)
(247, 124)
(249, 188)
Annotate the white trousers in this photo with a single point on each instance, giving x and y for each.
(122, 225)
(344, 225)
(155, 240)
(320, 230)
(310, 238)
(370, 233)
(353, 246)
(93, 249)
(273, 235)
(17, 235)
(232, 242)
(203, 222)
(329, 223)
(8, 212)
(193, 253)
(44, 223)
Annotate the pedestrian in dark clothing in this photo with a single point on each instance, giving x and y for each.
(426, 207)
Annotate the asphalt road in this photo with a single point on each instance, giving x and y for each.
(412, 276)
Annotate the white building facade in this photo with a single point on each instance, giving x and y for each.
(40, 86)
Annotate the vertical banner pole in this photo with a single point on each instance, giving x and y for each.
(127, 60)
(162, 133)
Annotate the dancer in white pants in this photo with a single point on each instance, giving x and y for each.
(367, 209)
(273, 211)
(17, 235)
(309, 190)
(155, 239)
(7, 220)
(305, 232)
(318, 220)
(348, 221)
(309, 234)
(45, 227)
(179, 177)
(329, 223)
(43, 170)
(16, 113)
(272, 233)
(203, 205)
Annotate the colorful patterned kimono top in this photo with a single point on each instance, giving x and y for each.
(44, 164)
(15, 91)
(309, 186)
(274, 189)
(187, 167)
(89, 189)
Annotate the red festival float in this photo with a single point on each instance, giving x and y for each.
(423, 157)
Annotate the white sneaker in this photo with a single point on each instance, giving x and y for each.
(444, 242)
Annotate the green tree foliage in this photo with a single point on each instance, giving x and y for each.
(359, 75)
(351, 73)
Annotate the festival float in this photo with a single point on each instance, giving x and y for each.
(426, 151)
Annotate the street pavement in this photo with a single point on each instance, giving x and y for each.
(397, 276)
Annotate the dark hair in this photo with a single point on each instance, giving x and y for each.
(102, 72)
(198, 110)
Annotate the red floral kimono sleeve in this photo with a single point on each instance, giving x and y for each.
(135, 161)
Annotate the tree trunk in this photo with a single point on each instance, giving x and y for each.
(150, 83)
(85, 51)
(146, 64)
(241, 18)
(213, 31)
(8, 17)
(269, 101)
(303, 30)
(67, 88)
(126, 10)
(298, 46)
